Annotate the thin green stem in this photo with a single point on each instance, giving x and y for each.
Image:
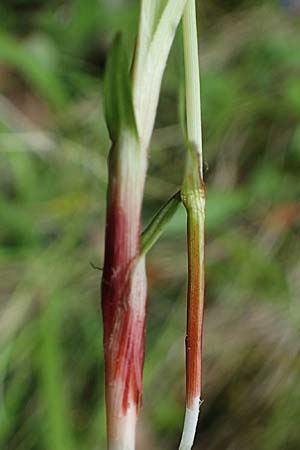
(193, 198)
(192, 79)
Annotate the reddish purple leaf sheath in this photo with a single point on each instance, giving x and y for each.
(123, 295)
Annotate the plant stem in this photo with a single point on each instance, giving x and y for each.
(124, 292)
(131, 109)
(192, 79)
(193, 197)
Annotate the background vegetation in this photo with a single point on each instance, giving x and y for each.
(53, 174)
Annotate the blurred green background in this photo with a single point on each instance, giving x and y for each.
(53, 175)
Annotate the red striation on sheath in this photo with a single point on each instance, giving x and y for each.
(123, 297)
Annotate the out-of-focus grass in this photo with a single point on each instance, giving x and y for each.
(53, 179)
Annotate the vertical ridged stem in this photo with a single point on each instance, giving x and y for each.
(193, 197)
(124, 292)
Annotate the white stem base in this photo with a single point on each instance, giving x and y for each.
(122, 433)
(190, 425)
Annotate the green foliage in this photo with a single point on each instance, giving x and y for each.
(36, 61)
(159, 222)
(57, 432)
(54, 146)
(117, 88)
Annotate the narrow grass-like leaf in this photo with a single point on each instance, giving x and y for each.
(118, 98)
(148, 71)
(148, 13)
(151, 15)
(156, 227)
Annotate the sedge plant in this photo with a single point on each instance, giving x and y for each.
(131, 98)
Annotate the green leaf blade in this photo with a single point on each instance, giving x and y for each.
(159, 222)
(118, 97)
